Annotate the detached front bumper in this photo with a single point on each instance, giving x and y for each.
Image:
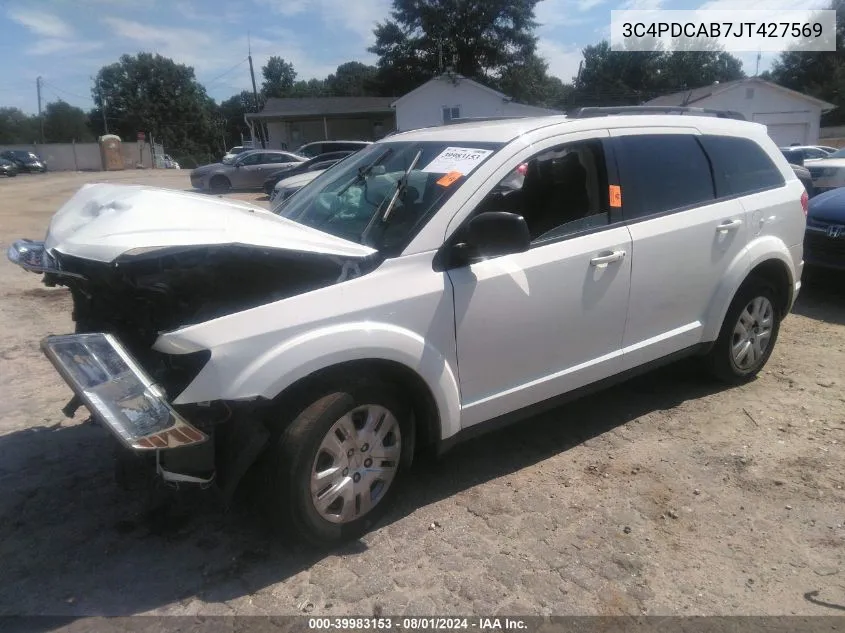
(118, 392)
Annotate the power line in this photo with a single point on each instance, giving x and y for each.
(67, 92)
(223, 74)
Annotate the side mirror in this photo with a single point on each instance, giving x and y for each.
(498, 233)
(237, 165)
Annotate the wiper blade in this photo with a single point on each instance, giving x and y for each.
(401, 186)
(363, 172)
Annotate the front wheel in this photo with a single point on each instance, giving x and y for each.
(334, 470)
(748, 334)
(219, 184)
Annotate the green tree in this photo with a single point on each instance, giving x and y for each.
(279, 76)
(352, 79)
(476, 38)
(151, 93)
(64, 123)
(17, 127)
(529, 82)
(609, 78)
(310, 88)
(820, 74)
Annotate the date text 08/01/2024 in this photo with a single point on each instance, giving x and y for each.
(418, 624)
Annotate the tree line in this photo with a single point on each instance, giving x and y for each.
(490, 41)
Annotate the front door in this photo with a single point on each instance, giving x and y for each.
(533, 325)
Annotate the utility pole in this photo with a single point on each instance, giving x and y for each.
(757, 67)
(255, 91)
(102, 106)
(40, 118)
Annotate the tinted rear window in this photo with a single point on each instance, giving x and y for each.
(665, 172)
(740, 166)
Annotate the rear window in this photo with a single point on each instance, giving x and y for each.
(740, 166)
(666, 172)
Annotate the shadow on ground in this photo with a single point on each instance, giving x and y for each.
(822, 296)
(73, 544)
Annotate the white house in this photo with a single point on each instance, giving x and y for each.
(790, 116)
(452, 96)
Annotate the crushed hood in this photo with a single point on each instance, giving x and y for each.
(101, 222)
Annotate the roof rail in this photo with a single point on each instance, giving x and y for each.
(477, 119)
(583, 113)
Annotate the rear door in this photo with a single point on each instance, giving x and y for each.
(683, 238)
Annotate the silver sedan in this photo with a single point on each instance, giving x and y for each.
(244, 171)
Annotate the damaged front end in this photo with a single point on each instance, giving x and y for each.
(113, 247)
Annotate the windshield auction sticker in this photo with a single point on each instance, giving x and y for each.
(460, 159)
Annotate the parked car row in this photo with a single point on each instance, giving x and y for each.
(24, 161)
(262, 168)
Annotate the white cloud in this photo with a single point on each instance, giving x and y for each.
(764, 5)
(42, 24)
(563, 60)
(359, 16)
(645, 5)
(49, 46)
(202, 49)
(563, 13)
(285, 7)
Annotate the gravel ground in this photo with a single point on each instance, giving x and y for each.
(666, 495)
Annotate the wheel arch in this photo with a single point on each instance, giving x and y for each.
(393, 353)
(768, 259)
(426, 415)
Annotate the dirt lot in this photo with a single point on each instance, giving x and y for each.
(666, 495)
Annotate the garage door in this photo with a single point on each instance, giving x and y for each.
(787, 133)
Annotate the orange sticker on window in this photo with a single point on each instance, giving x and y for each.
(449, 178)
(615, 196)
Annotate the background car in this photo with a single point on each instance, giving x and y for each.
(8, 168)
(234, 151)
(310, 150)
(824, 239)
(323, 161)
(828, 173)
(25, 160)
(286, 188)
(795, 157)
(247, 170)
(169, 163)
(811, 152)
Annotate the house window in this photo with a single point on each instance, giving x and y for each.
(450, 113)
(749, 93)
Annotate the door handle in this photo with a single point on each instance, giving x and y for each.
(729, 225)
(601, 261)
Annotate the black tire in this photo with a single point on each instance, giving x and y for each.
(293, 451)
(720, 359)
(219, 183)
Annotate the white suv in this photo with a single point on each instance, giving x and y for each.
(434, 283)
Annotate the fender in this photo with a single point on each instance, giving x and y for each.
(271, 372)
(761, 249)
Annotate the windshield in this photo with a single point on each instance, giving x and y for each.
(837, 154)
(352, 198)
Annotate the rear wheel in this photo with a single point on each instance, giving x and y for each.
(748, 334)
(220, 184)
(333, 472)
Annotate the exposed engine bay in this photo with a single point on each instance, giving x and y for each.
(136, 298)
